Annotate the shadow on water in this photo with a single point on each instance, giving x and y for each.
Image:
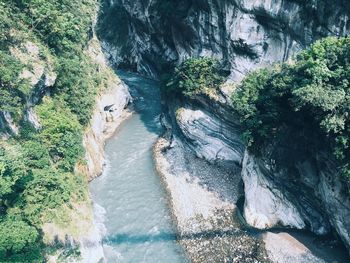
(146, 99)
(167, 236)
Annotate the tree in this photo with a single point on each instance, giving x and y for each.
(196, 74)
(303, 105)
(61, 133)
(12, 170)
(16, 236)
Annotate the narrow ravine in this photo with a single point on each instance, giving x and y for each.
(132, 206)
(129, 195)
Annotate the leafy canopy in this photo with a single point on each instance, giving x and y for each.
(37, 177)
(303, 105)
(195, 75)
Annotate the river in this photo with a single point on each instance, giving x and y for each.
(131, 203)
(129, 196)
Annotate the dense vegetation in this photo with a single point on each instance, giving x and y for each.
(295, 109)
(301, 107)
(195, 75)
(38, 182)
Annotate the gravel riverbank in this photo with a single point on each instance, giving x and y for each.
(203, 200)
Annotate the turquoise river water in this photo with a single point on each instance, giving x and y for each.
(137, 219)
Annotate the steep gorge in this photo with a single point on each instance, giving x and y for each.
(153, 36)
(59, 101)
(150, 36)
(59, 96)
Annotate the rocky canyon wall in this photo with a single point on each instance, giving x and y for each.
(152, 36)
(148, 36)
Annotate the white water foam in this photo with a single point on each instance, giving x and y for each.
(91, 247)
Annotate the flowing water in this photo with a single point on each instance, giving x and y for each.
(137, 220)
(130, 199)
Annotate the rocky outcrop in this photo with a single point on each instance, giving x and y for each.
(208, 127)
(203, 197)
(148, 36)
(151, 36)
(208, 137)
(334, 191)
(7, 124)
(39, 72)
(204, 191)
(311, 195)
(265, 205)
(110, 110)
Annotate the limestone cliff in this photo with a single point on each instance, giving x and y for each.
(110, 111)
(151, 35)
(308, 195)
(40, 74)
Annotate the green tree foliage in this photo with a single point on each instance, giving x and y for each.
(76, 83)
(13, 89)
(196, 74)
(62, 25)
(15, 237)
(47, 190)
(304, 104)
(18, 242)
(36, 154)
(61, 133)
(12, 170)
(37, 167)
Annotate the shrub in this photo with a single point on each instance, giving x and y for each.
(15, 236)
(36, 155)
(302, 105)
(36, 167)
(61, 133)
(47, 191)
(12, 170)
(195, 75)
(13, 89)
(77, 84)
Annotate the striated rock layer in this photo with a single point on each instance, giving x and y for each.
(151, 36)
(245, 34)
(309, 195)
(203, 198)
(204, 190)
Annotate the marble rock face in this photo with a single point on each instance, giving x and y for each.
(245, 34)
